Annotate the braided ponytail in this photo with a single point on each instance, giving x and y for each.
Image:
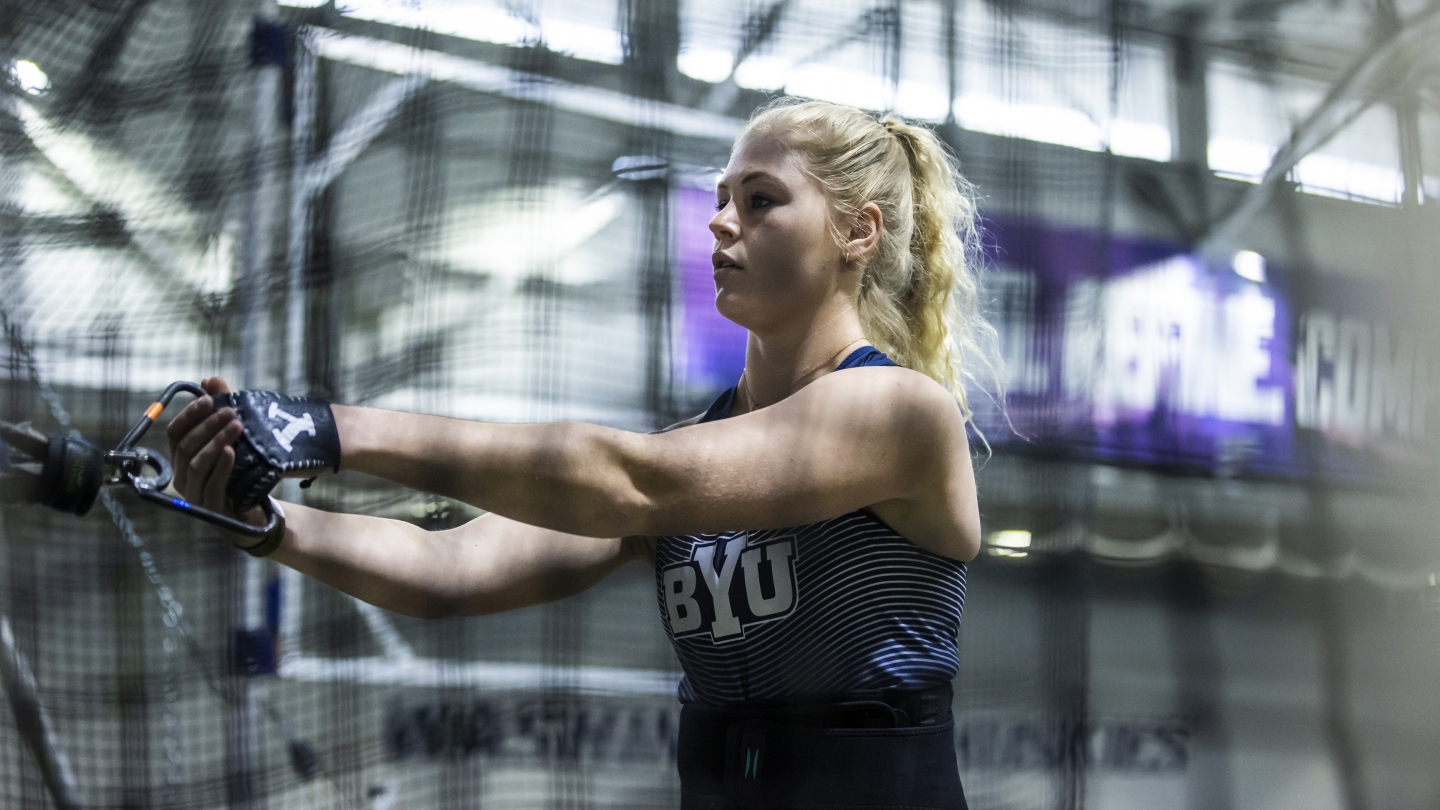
(920, 295)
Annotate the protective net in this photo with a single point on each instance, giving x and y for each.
(1194, 592)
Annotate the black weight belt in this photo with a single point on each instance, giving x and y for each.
(890, 749)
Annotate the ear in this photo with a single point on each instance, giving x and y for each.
(865, 232)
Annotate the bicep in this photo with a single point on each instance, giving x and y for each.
(496, 564)
(840, 444)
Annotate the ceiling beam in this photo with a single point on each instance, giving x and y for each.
(595, 102)
(1379, 71)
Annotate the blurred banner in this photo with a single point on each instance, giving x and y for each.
(1129, 351)
(1122, 350)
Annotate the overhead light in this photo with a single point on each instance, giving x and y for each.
(929, 101)
(763, 73)
(706, 64)
(1249, 265)
(462, 18)
(857, 88)
(1317, 173)
(1238, 159)
(1010, 538)
(1140, 139)
(595, 43)
(1333, 176)
(1047, 123)
(30, 77)
(1005, 552)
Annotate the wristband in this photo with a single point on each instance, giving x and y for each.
(271, 541)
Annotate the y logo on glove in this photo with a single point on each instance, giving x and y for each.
(269, 447)
(295, 425)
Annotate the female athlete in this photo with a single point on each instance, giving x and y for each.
(809, 532)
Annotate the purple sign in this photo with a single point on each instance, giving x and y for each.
(1133, 351)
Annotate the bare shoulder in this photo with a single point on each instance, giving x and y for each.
(889, 411)
(923, 421)
(862, 438)
(890, 392)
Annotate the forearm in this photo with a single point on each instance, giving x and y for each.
(488, 565)
(387, 563)
(569, 477)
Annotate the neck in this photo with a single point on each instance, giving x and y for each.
(780, 362)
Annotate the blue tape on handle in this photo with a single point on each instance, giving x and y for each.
(180, 503)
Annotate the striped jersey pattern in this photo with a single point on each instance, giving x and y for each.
(821, 610)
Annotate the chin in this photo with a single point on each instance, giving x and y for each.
(735, 308)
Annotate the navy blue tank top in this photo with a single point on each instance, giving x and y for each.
(831, 608)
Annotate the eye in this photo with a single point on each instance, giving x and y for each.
(760, 201)
(720, 204)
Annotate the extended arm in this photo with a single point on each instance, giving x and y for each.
(844, 442)
(488, 565)
(884, 438)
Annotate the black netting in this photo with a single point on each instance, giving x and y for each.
(497, 211)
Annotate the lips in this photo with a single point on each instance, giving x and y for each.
(723, 262)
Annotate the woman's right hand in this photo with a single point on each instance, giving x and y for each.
(201, 449)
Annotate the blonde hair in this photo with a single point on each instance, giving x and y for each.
(920, 293)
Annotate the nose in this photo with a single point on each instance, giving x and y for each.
(725, 225)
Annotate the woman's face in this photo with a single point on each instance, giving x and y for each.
(775, 259)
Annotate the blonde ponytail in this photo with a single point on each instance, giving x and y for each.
(920, 294)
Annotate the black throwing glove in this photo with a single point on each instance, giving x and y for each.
(281, 434)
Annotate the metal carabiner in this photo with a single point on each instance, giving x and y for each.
(125, 465)
(67, 473)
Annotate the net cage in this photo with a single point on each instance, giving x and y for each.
(1193, 593)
